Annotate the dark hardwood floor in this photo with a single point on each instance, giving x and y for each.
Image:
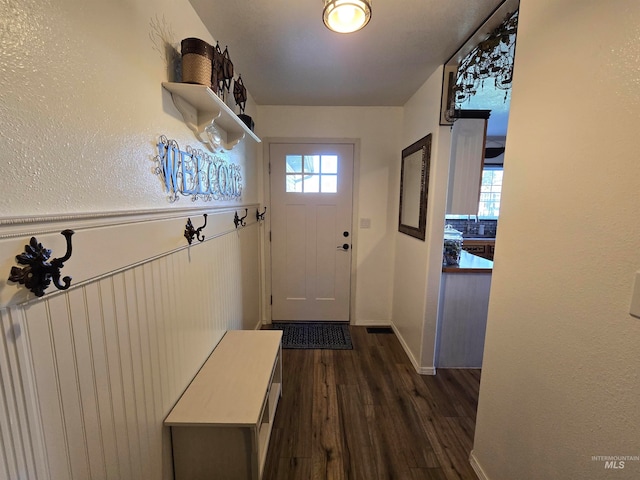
(366, 414)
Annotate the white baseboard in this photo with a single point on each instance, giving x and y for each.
(426, 370)
(476, 467)
(419, 369)
(258, 325)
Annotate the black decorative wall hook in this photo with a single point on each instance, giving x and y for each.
(190, 232)
(260, 216)
(240, 220)
(38, 273)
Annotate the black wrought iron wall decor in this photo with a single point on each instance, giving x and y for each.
(240, 93)
(491, 58)
(190, 231)
(221, 70)
(227, 68)
(217, 70)
(260, 216)
(240, 96)
(38, 273)
(192, 172)
(239, 221)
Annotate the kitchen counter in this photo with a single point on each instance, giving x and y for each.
(462, 312)
(470, 264)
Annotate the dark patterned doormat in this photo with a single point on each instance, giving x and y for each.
(328, 336)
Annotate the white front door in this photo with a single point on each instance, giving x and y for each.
(311, 212)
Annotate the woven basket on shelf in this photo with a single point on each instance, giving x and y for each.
(196, 61)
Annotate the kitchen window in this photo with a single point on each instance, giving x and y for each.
(490, 194)
(490, 191)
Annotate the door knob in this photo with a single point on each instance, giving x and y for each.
(344, 246)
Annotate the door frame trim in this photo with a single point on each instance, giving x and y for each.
(265, 244)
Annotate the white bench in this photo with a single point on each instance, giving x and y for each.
(221, 425)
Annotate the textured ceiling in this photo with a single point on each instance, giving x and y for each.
(288, 57)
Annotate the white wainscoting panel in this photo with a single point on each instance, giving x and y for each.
(462, 319)
(89, 375)
(21, 447)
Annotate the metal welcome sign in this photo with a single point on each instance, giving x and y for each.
(194, 173)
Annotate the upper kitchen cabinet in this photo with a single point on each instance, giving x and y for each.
(467, 158)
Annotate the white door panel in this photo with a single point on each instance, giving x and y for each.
(311, 199)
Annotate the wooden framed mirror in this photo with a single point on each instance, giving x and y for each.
(414, 181)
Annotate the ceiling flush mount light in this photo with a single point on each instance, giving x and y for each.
(346, 16)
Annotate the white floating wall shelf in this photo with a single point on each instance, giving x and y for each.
(200, 107)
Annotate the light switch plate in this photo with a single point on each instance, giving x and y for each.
(365, 223)
(635, 297)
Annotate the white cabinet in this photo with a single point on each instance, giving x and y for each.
(221, 425)
(462, 316)
(465, 168)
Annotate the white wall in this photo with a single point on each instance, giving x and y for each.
(560, 381)
(88, 375)
(82, 107)
(378, 129)
(418, 264)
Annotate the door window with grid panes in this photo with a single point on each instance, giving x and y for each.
(312, 173)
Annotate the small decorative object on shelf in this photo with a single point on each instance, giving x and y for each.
(217, 73)
(214, 136)
(247, 120)
(260, 216)
(227, 68)
(239, 221)
(197, 56)
(240, 93)
(190, 231)
(38, 273)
